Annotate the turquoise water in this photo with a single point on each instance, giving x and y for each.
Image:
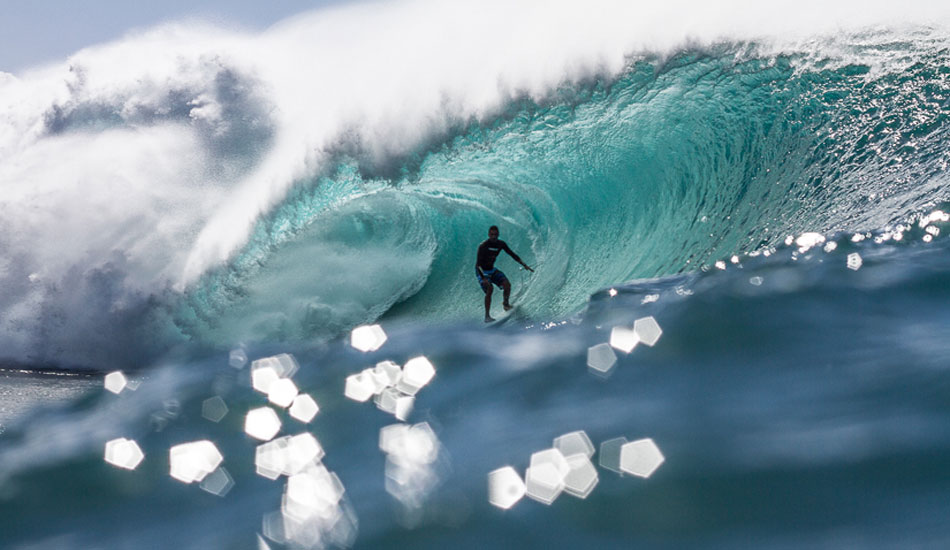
(778, 211)
(675, 165)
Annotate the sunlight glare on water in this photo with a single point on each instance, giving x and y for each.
(359, 387)
(544, 478)
(854, 261)
(390, 370)
(262, 377)
(124, 453)
(304, 408)
(505, 487)
(601, 359)
(411, 455)
(395, 403)
(218, 482)
(648, 330)
(193, 461)
(623, 339)
(640, 458)
(282, 392)
(610, 454)
(214, 408)
(262, 423)
(115, 382)
(574, 443)
(288, 455)
(416, 373)
(582, 477)
(368, 338)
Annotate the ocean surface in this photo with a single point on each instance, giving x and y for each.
(193, 205)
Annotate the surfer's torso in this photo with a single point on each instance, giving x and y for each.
(488, 251)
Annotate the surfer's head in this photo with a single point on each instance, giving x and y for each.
(493, 232)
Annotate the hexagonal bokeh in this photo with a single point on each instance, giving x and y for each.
(262, 423)
(582, 477)
(391, 437)
(574, 443)
(359, 387)
(854, 261)
(283, 363)
(409, 445)
(262, 377)
(416, 373)
(641, 457)
(648, 330)
(237, 358)
(610, 454)
(544, 483)
(273, 526)
(304, 408)
(395, 403)
(551, 456)
(601, 358)
(267, 370)
(505, 487)
(124, 453)
(315, 492)
(214, 408)
(623, 339)
(288, 455)
(367, 337)
(282, 392)
(193, 461)
(115, 382)
(391, 370)
(544, 479)
(301, 451)
(412, 453)
(379, 379)
(270, 459)
(218, 482)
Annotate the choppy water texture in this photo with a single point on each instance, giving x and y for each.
(776, 207)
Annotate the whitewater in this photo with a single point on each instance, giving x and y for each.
(766, 182)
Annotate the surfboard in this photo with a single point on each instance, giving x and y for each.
(503, 318)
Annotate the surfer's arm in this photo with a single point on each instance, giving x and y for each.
(516, 258)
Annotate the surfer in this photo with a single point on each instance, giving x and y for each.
(487, 273)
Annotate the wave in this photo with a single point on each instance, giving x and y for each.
(199, 187)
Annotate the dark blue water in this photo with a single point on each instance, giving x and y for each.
(799, 397)
(808, 410)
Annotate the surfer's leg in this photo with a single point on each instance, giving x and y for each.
(487, 289)
(506, 286)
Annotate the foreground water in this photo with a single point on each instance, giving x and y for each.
(797, 402)
(21, 391)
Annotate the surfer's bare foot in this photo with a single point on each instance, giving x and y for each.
(508, 307)
(488, 319)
